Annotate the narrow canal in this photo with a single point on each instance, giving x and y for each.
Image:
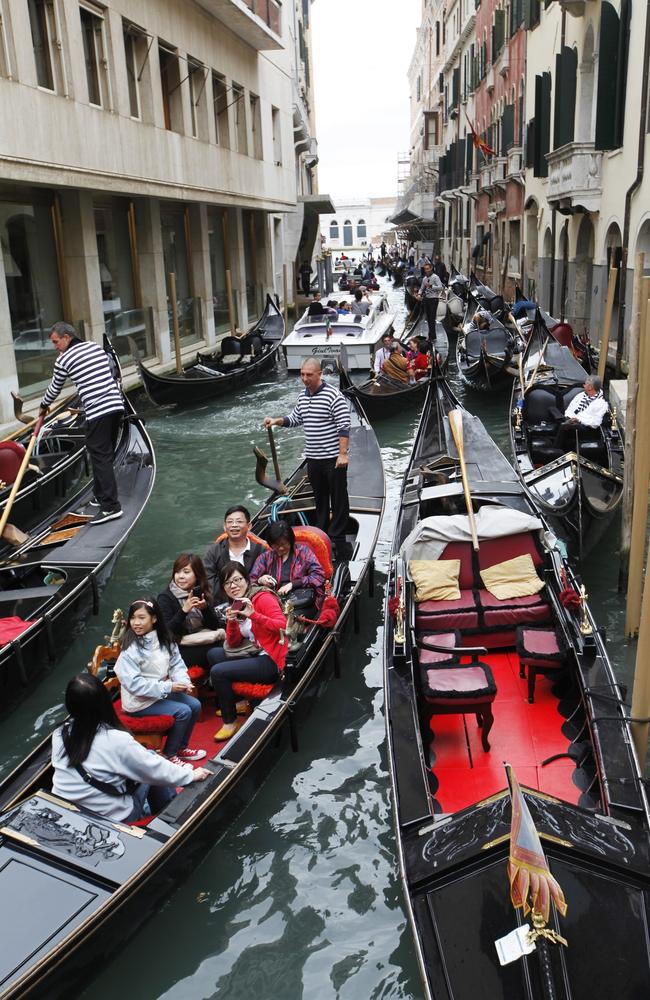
(301, 899)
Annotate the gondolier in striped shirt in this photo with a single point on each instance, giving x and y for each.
(87, 366)
(324, 413)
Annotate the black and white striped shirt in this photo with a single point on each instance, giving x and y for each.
(86, 364)
(325, 416)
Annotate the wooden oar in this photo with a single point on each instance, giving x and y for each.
(275, 485)
(456, 424)
(520, 365)
(9, 532)
(31, 421)
(532, 378)
(274, 455)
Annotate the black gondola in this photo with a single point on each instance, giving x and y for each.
(54, 580)
(94, 881)
(240, 362)
(579, 490)
(486, 357)
(381, 396)
(524, 311)
(571, 745)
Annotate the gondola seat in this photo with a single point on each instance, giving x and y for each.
(542, 452)
(540, 650)
(437, 649)
(462, 613)
(594, 451)
(149, 730)
(461, 689)
(253, 692)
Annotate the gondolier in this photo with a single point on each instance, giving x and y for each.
(431, 288)
(87, 365)
(324, 414)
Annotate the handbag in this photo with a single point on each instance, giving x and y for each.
(301, 597)
(204, 637)
(241, 651)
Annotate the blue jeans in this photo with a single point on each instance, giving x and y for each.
(185, 710)
(150, 799)
(253, 669)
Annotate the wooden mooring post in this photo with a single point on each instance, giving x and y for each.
(634, 340)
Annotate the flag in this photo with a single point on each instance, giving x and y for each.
(328, 327)
(528, 869)
(479, 143)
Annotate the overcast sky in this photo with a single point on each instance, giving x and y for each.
(361, 50)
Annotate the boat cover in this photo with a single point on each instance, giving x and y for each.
(432, 534)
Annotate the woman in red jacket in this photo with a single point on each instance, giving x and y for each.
(254, 617)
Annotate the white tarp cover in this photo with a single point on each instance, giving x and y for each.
(429, 538)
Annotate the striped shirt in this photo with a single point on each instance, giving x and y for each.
(87, 365)
(325, 416)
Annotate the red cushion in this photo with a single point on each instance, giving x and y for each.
(517, 616)
(466, 600)
(462, 551)
(12, 627)
(11, 457)
(462, 620)
(496, 550)
(143, 724)
(320, 544)
(460, 683)
(254, 691)
(537, 640)
(488, 600)
(196, 673)
(499, 639)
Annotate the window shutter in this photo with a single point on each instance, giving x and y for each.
(607, 77)
(621, 77)
(508, 128)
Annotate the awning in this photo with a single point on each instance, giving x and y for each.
(322, 204)
(403, 218)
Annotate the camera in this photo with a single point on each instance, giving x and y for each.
(197, 592)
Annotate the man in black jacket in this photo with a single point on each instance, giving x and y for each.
(440, 269)
(240, 544)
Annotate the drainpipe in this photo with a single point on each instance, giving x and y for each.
(551, 294)
(630, 192)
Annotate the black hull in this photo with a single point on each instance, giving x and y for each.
(194, 386)
(122, 892)
(453, 866)
(484, 374)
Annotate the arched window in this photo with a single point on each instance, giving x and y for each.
(347, 233)
(334, 230)
(361, 229)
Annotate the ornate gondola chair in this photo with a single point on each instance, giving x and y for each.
(149, 730)
(449, 687)
(541, 650)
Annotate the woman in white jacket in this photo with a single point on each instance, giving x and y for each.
(98, 764)
(154, 679)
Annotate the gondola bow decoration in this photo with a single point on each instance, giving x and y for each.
(528, 869)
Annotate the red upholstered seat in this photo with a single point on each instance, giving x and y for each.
(142, 724)
(509, 616)
(460, 690)
(255, 692)
(428, 655)
(320, 544)
(11, 457)
(540, 650)
(462, 551)
(442, 615)
(496, 550)
(488, 600)
(197, 673)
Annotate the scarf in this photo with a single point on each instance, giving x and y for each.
(193, 618)
(587, 401)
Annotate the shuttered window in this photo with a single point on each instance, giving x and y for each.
(566, 66)
(612, 75)
(508, 128)
(498, 33)
(542, 123)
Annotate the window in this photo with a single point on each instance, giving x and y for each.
(251, 242)
(256, 126)
(177, 258)
(418, 88)
(170, 83)
(220, 105)
(217, 251)
(361, 229)
(430, 129)
(94, 45)
(612, 75)
(347, 233)
(197, 76)
(277, 136)
(44, 24)
(334, 230)
(132, 74)
(515, 247)
(566, 69)
(239, 109)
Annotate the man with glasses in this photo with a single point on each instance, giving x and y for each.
(237, 543)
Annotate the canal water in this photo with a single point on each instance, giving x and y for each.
(301, 898)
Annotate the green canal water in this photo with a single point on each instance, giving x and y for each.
(301, 898)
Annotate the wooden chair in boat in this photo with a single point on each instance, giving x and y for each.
(541, 651)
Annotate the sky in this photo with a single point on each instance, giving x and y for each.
(361, 51)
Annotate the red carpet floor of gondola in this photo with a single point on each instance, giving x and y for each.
(523, 735)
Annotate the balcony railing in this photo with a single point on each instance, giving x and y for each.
(257, 22)
(575, 176)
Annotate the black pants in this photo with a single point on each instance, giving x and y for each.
(566, 435)
(431, 311)
(101, 438)
(254, 670)
(330, 486)
(305, 281)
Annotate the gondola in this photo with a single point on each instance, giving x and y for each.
(486, 358)
(579, 490)
(381, 396)
(80, 885)
(52, 582)
(57, 463)
(524, 312)
(240, 362)
(457, 707)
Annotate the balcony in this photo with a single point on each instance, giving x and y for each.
(256, 22)
(490, 80)
(514, 168)
(575, 177)
(503, 61)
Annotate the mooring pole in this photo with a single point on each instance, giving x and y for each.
(634, 340)
(641, 461)
(607, 322)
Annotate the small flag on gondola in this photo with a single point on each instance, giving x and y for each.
(328, 327)
(479, 143)
(528, 869)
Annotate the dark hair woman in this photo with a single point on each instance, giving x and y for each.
(154, 678)
(256, 618)
(100, 766)
(288, 564)
(188, 609)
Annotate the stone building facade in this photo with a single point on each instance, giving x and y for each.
(140, 139)
(357, 224)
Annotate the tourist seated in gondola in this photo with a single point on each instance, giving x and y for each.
(360, 305)
(99, 766)
(289, 565)
(237, 543)
(481, 319)
(187, 606)
(382, 353)
(344, 308)
(584, 414)
(316, 307)
(396, 366)
(418, 357)
(154, 679)
(255, 625)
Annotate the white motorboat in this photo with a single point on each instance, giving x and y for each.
(323, 336)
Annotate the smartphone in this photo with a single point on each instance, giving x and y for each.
(197, 592)
(236, 605)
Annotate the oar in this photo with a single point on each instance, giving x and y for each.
(532, 378)
(274, 485)
(456, 425)
(31, 421)
(274, 455)
(520, 365)
(8, 531)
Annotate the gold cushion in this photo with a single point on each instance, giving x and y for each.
(435, 579)
(513, 578)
